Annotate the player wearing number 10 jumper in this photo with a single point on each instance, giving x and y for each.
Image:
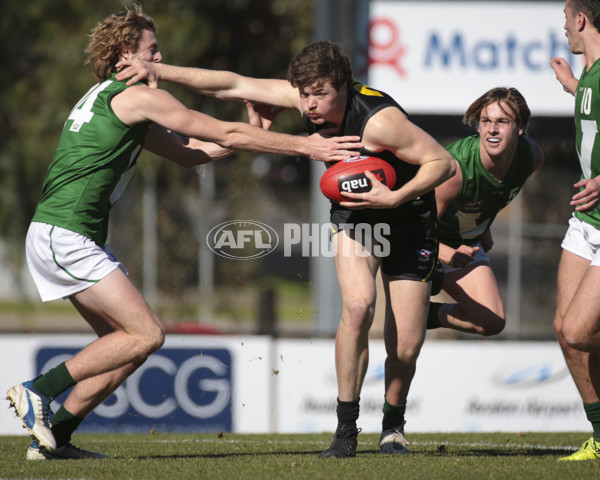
(577, 319)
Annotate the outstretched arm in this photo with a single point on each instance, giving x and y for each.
(564, 74)
(184, 151)
(140, 103)
(220, 84)
(190, 152)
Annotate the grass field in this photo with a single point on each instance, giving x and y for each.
(505, 456)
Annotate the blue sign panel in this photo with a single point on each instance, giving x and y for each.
(175, 390)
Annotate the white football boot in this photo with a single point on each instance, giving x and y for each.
(393, 441)
(34, 409)
(66, 452)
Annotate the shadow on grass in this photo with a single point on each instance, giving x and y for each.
(441, 451)
(225, 455)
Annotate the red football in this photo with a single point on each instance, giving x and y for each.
(349, 176)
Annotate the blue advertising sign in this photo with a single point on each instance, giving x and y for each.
(175, 390)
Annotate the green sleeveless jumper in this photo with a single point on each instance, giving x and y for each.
(468, 217)
(92, 165)
(587, 114)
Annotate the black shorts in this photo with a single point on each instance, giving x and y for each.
(408, 244)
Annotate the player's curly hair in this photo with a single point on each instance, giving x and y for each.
(520, 111)
(319, 63)
(590, 8)
(115, 34)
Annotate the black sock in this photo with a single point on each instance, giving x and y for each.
(347, 414)
(432, 316)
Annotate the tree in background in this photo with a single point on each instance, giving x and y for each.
(42, 44)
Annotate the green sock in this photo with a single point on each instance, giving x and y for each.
(393, 415)
(54, 382)
(592, 412)
(64, 423)
(432, 316)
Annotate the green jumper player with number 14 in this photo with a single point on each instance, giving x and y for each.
(65, 245)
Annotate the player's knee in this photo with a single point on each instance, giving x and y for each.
(157, 339)
(577, 337)
(566, 345)
(406, 355)
(405, 358)
(153, 339)
(578, 343)
(569, 334)
(493, 326)
(557, 326)
(359, 313)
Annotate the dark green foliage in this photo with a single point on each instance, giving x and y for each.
(41, 47)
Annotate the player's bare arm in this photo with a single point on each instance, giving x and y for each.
(589, 195)
(184, 151)
(223, 85)
(465, 254)
(564, 74)
(262, 115)
(457, 257)
(444, 194)
(190, 152)
(448, 190)
(140, 103)
(391, 130)
(437, 165)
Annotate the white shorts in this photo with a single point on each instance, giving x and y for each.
(480, 256)
(63, 262)
(583, 240)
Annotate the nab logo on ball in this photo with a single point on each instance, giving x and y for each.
(349, 176)
(242, 239)
(359, 183)
(360, 158)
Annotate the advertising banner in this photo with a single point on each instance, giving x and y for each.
(438, 57)
(192, 384)
(257, 384)
(459, 387)
(177, 390)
